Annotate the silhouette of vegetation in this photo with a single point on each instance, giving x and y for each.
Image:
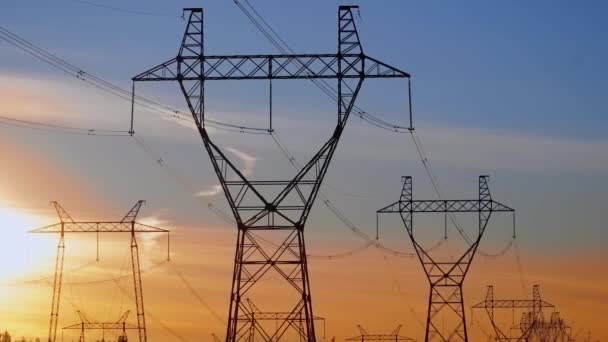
(6, 337)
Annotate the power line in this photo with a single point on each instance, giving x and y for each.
(162, 163)
(323, 85)
(44, 281)
(335, 210)
(190, 288)
(149, 314)
(417, 317)
(110, 88)
(123, 10)
(59, 128)
(95, 81)
(121, 93)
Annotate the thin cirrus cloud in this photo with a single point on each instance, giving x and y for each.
(17, 94)
(248, 161)
(474, 147)
(211, 191)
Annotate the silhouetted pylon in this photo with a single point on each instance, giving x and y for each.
(445, 277)
(126, 225)
(277, 208)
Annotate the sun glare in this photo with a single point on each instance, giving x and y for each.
(21, 253)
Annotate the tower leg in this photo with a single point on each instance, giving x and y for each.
(446, 314)
(252, 262)
(81, 339)
(57, 288)
(139, 297)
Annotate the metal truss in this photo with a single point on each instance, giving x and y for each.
(554, 329)
(393, 336)
(532, 321)
(268, 324)
(446, 277)
(126, 225)
(278, 207)
(264, 67)
(86, 324)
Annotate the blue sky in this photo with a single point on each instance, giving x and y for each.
(534, 67)
(513, 89)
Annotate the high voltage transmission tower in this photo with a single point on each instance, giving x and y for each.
(446, 302)
(86, 324)
(392, 336)
(126, 225)
(533, 325)
(553, 329)
(278, 208)
(254, 314)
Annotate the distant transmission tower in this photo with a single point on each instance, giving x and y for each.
(126, 225)
(553, 329)
(277, 208)
(392, 336)
(86, 324)
(446, 303)
(273, 319)
(533, 325)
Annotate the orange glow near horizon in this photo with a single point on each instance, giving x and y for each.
(19, 250)
(370, 288)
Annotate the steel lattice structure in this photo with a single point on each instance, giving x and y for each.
(554, 329)
(393, 336)
(86, 324)
(445, 277)
(259, 317)
(532, 325)
(279, 207)
(126, 225)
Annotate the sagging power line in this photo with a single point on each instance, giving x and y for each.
(109, 88)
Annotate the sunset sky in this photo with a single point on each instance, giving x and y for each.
(515, 90)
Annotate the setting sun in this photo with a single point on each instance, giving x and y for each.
(20, 253)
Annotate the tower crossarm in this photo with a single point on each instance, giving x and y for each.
(512, 304)
(98, 227)
(101, 326)
(265, 67)
(445, 206)
(274, 316)
(393, 336)
(380, 338)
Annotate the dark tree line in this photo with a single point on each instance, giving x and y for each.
(6, 337)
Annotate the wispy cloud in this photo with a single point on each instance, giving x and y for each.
(211, 191)
(248, 162)
(26, 98)
(150, 241)
(513, 150)
(247, 159)
(474, 147)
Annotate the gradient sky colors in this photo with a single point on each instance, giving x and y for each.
(514, 90)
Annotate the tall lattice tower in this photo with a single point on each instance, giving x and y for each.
(446, 320)
(127, 225)
(539, 320)
(277, 209)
